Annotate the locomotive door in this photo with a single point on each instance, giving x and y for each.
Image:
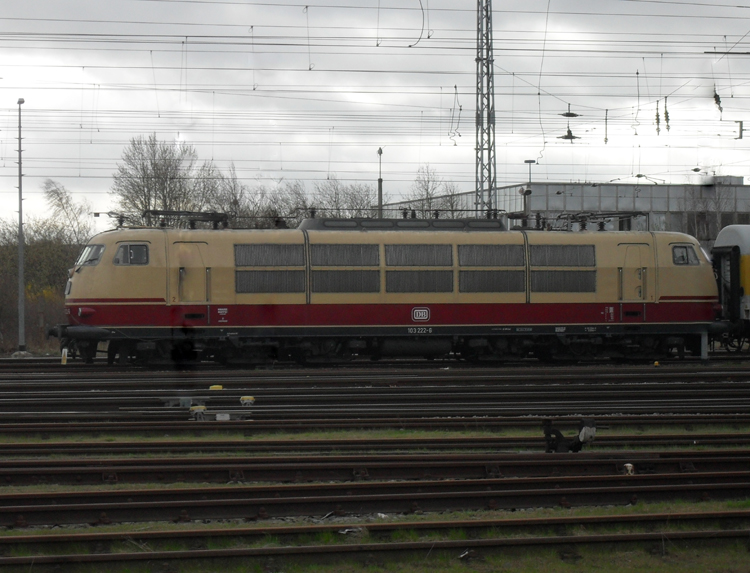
(635, 285)
(191, 282)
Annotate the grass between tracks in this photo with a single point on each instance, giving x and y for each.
(374, 434)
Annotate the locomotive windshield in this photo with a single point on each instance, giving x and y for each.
(91, 255)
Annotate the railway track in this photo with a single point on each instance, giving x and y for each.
(462, 398)
(256, 447)
(186, 505)
(357, 539)
(131, 482)
(250, 428)
(360, 467)
(447, 373)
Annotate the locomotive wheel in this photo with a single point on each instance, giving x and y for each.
(88, 352)
(111, 352)
(736, 344)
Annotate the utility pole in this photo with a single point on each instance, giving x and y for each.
(21, 282)
(486, 182)
(380, 183)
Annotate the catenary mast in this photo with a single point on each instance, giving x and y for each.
(485, 118)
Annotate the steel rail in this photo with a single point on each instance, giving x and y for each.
(458, 390)
(329, 468)
(474, 443)
(383, 527)
(252, 427)
(32, 543)
(335, 377)
(358, 551)
(592, 408)
(365, 403)
(261, 502)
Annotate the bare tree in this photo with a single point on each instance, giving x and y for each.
(205, 184)
(362, 197)
(425, 190)
(332, 198)
(452, 203)
(430, 193)
(74, 217)
(289, 202)
(704, 207)
(155, 175)
(50, 251)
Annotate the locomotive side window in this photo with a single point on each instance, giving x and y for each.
(491, 281)
(346, 281)
(419, 281)
(269, 255)
(345, 255)
(491, 256)
(269, 281)
(563, 255)
(132, 255)
(91, 255)
(419, 256)
(563, 281)
(684, 255)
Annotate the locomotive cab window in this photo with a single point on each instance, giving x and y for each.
(91, 255)
(132, 255)
(684, 255)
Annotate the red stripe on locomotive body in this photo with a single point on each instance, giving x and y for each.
(114, 300)
(324, 315)
(688, 298)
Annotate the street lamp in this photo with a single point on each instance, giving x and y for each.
(21, 286)
(527, 192)
(380, 183)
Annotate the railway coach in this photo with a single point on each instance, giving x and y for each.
(336, 288)
(731, 260)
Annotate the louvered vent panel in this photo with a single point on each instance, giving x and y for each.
(563, 256)
(418, 255)
(563, 281)
(269, 255)
(269, 281)
(346, 281)
(491, 281)
(345, 255)
(491, 255)
(419, 281)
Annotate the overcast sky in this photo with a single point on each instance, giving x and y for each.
(309, 90)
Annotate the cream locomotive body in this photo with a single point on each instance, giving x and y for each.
(333, 289)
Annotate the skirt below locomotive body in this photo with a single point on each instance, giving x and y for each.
(334, 289)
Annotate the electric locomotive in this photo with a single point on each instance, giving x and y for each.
(334, 289)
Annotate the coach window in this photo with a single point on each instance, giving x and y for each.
(132, 255)
(684, 255)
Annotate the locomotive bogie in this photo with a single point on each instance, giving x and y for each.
(325, 295)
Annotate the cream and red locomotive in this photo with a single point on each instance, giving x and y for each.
(333, 289)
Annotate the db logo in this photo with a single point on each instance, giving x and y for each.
(420, 314)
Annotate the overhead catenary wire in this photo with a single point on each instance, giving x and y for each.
(604, 89)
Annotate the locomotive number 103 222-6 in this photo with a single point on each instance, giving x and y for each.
(419, 330)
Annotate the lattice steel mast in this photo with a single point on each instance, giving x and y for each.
(485, 120)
